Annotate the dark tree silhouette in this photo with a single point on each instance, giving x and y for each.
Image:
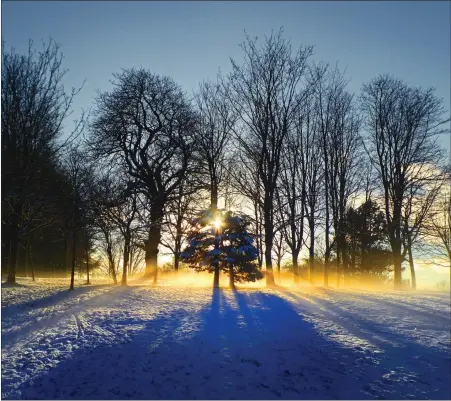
(34, 106)
(327, 86)
(344, 145)
(437, 227)
(402, 123)
(78, 174)
(178, 213)
(147, 121)
(291, 191)
(266, 92)
(366, 239)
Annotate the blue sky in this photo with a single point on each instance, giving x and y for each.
(191, 40)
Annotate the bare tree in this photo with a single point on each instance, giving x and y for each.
(280, 250)
(344, 145)
(176, 225)
(110, 244)
(291, 191)
(102, 199)
(216, 122)
(78, 175)
(245, 181)
(416, 208)
(402, 124)
(89, 236)
(328, 84)
(124, 216)
(266, 92)
(313, 171)
(148, 122)
(137, 259)
(437, 227)
(34, 106)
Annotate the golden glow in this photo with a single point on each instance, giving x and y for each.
(217, 223)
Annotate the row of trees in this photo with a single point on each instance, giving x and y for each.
(279, 139)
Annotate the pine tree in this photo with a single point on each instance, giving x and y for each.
(222, 239)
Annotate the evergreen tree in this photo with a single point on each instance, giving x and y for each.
(222, 239)
(367, 239)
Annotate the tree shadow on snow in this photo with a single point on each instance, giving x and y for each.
(399, 353)
(40, 317)
(401, 303)
(242, 345)
(56, 297)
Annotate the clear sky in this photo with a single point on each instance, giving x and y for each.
(191, 40)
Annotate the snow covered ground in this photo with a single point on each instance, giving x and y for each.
(172, 342)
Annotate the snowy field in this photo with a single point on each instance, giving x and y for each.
(169, 342)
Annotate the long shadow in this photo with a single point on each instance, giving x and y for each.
(244, 309)
(414, 310)
(38, 307)
(398, 350)
(242, 345)
(55, 297)
(357, 325)
(108, 367)
(407, 306)
(5, 284)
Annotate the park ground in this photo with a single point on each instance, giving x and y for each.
(186, 341)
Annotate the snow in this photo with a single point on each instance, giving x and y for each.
(177, 342)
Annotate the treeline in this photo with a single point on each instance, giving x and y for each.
(358, 182)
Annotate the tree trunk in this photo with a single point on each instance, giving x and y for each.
(269, 240)
(74, 248)
(311, 264)
(126, 260)
(344, 257)
(26, 261)
(153, 241)
(344, 265)
(397, 264)
(412, 268)
(337, 261)
(176, 263)
(111, 264)
(14, 249)
(216, 262)
(113, 270)
(294, 260)
(353, 255)
(87, 266)
(214, 208)
(30, 259)
(326, 234)
(32, 269)
(268, 260)
(68, 252)
(258, 232)
(178, 247)
(216, 276)
(6, 250)
(214, 196)
(231, 277)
